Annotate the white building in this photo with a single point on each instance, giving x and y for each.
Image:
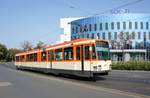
(66, 29)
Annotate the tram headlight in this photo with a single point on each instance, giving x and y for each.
(110, 66)
(95, 68)
(99, 66)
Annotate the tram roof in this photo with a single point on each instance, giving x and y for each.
(64, 44)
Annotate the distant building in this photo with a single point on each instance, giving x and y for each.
(128, 34)
(66, 29)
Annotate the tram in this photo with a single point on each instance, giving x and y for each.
(81, 57)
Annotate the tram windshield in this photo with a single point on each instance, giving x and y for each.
(102, 49)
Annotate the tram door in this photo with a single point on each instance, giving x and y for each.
(80, 57)
(51, 57)
(83, 57)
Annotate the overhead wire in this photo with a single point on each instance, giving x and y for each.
(91, 14)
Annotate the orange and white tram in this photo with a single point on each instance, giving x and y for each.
(82, 57)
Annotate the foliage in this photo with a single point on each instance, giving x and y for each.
(11, 54)
(7, 54)
(3, 52)
(40, 45)
(26, 45)
(131, 65)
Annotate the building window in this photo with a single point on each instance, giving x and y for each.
(139, 35)
(80, 29)
(95, 27)
(130, 25)
(149, 35)
(90, 27)
(115, 35)
(103, 35)
(87, 35)
(141, 25)
(78, 36)
(144, 36)
(112, 25)
(124, 25)
(76, 29)
(73, 30)
(92, 35)
(136, 25)
(127, 35)
(133, 35)
(82, 36)
(147, 25)
(136, 45)
(106, 26)
(101, 26)
(72, 38)
(98, 35)
(118, 25)
(121, 35)
(85, 28)
(109, 35)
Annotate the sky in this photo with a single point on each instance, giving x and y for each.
(38, 20)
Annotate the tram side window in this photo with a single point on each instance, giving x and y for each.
(87, 52)
(59, 55)
(22, 58)
(78, 53)
(30, 57)
(50, 55)
(43, 56)
(17, 58)
(68, 53)
(35, 57)
(93, 52)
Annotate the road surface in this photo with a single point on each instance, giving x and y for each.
(119, 84)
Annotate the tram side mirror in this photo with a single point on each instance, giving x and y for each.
(90, 48)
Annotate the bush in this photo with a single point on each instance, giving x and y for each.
(131, 65)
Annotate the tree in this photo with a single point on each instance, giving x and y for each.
(40, 45)
(3, 52)
(26, 45)
(11, 54)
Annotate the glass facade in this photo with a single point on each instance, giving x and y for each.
(128, 32)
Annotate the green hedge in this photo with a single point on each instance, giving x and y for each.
(131, 65)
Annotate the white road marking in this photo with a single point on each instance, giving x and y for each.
(2, 84)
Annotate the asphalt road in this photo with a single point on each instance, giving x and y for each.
(119, 84)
